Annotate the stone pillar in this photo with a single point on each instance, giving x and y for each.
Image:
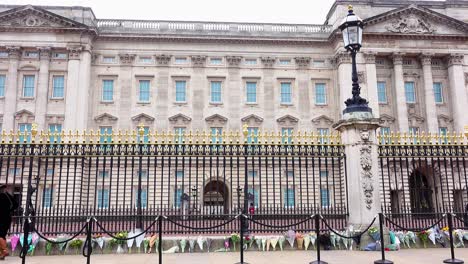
(269, 100)
(233, 92)
(430, 105)
(359, 137)
(197, 91)
(42, 87)
(162, 86)
(125, 87)
(84, 91)
(458, 92)
(11, 89)
(400, 102)
(71, 96)
(371, 76)
(304, 91)
(343, 61)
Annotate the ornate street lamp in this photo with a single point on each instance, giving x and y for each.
(351, 28)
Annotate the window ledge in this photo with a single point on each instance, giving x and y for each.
(57, 99)
(27, 98)
(252, 104)
(216, 103)
(143, 103)
(107, 102)
(286, 104)
(321, 104)
(180, 103)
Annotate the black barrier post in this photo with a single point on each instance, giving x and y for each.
(317, 231)
(452, 260)
(242, 223)
(382, 243)
(89, 246)
(160, 239)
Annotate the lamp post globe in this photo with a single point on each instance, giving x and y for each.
(351, 29)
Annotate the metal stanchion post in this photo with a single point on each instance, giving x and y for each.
(242, 218)
(160, 239)
(317, 231)
(452, 260)
(382, 243)
(89, 246)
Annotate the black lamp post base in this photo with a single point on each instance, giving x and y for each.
(383, 261)
(454, 261)
(241, 263)
(357, 108)
(318, 262)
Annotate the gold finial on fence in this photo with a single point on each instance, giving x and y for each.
(141, 131)
(466, 131)
(245, 131)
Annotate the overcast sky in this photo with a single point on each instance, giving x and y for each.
(268, 11)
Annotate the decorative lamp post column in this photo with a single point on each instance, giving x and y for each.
(351, 28)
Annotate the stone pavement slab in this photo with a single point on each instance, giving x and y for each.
(413, 256)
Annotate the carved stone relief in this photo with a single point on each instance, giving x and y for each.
(303, 62)
(410, 24)
(268, 62)
(361, 77)
(366, 170)
(163, 59)
(74, 52)
(44, 53)
(233, 61)
(127, 58)
(198, 61)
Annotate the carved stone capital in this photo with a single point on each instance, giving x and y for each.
(14, 52)
(268, 62)
(127, 58)
(233, 61)
(74, 52)
(44, 53)
(198, 60)
(163, 59)
(302, 62)
(455, 59)
(426, 58)
(342, 57)
(95, 57)
(397, 58)
(369, 57)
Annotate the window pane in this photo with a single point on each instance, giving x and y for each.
(179, 133)
(251, 92)
(143, 197)
(325, 197)
(252, 174)
(58, 87)
(253, 192)
(409, 92)
(289, 197)
(106, 134)
(216, 61)
(55, 130)
(252, 136)
(216, 92)
(145, 135)
(382, 92)
(438, 92)
(384, 131)
(144, 91)
(47, 198)
(178, 197)
(443, 135)
(323, 132)
(216, 135)
(180, 174)
(181, 91)
(25, 132)
(28, 86)
(103, 198)
(320, 94)
(286, 93)
(2, 85)
(323, 174)
(108, 90)
(287, 135)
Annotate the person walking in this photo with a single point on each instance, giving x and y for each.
(7, 205)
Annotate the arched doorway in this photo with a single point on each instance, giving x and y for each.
(421, 193)
(215, 197)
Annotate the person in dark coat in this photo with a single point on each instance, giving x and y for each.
(8, 204)
(465, 216)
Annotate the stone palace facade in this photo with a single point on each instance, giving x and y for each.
(63, 68)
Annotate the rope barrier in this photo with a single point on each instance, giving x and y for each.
(201, 228)
(59, 242)
(128, 238)
(348, 237)
(414, 230)
(285, 226)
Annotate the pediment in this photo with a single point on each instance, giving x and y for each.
(105, 117)
(415, 20)
(252, 118)
(24, 112)
(444, 119)
(287, 119)
(415, 119)
(322, 119)
(143, 117)
(216, 118)
(384, 118)
(180, 117)
(33, 17)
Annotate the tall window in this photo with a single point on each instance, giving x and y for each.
(252, 135)
(216, 92)
(253, 192)
(28, 85)
(439, 97)
(25, 132)
(2, 85)
(106, 134)
(410, 92)
(47, 197)
(55, 130)
(179, 133)
(178, 197)
(286, 96)
(414, 130)
(180, 174)
(443, 134)
(181, 90)
(382, 92)
(145, 135)
(289, 197)
(107, 90)
(320, 94)
(323, 174)
(103, 198)
(216, 135)
(251, 92)
(143, 197)
(286, 133)
(384, 131)
(252, 174)
(58, 89)
(144, 91)
(103, 174)
(323, 132)
(325, 197)
(290, 174)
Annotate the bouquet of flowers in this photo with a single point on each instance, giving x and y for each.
(300, 240)
(130, 241)
(227, 246)
(333, 239)
(291, 237)
(99, 240)
(48, 247)
(281, 240)
(76, 244)
(248, 241)
(306, 242)
(14, 242)
(208, 243)
(200, 241)
(183, 244)
(258, 241)
(374, 233)
(424, 237)
(274, 242)
(119, 240)
(235, 238)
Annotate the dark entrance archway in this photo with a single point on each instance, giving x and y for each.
(421, 193)
(215, 197)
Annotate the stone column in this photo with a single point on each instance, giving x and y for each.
(361, 146)
(400, 102)
(71, 96)
(42, 87)
(343, 61)
(371, 76)
(269, 100)
(457, 90)
(304, 92)
(11, 89)
(124, 104)
(162, 84)
(84, 91)
(234, 92)
(198, 92)
(430, 105)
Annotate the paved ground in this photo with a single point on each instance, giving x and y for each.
(413, 256)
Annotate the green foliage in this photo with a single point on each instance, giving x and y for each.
(119, 240)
